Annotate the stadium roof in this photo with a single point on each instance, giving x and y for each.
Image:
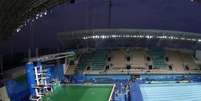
(154, 32)
(38, 32)
(14, 14)
(130, 36)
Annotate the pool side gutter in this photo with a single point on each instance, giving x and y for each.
(111, 93)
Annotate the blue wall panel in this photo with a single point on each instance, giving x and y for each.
(31, 78)
(136, 94)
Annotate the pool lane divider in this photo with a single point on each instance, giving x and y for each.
(136, 94)
(111, 93)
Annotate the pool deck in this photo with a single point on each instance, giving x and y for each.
(87, 92)
(142, 71)
(136, 94)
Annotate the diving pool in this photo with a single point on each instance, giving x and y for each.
(94, 92)
(171, 92)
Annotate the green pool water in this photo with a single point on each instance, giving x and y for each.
(80, 93)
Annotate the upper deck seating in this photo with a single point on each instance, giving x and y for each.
(158, 58)
(96, 60)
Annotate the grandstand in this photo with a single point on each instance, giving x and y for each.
(94, 60)
(158, 58)
(160, 61)
(113, 74)
(94, 51)
(110, 74)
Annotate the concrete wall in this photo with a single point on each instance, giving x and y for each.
(3, 94)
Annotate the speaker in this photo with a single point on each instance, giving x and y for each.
(148, 58)
(88, 67)
(107, 67)
(150, 67)
(128, 58)
(170, 67)
(166, 58)
(128, 67)
(109, 59)
(186, 67)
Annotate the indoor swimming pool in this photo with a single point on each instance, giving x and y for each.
(171, 92)
(95, 92)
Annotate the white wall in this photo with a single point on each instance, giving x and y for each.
(198, 54)
(3, 94)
